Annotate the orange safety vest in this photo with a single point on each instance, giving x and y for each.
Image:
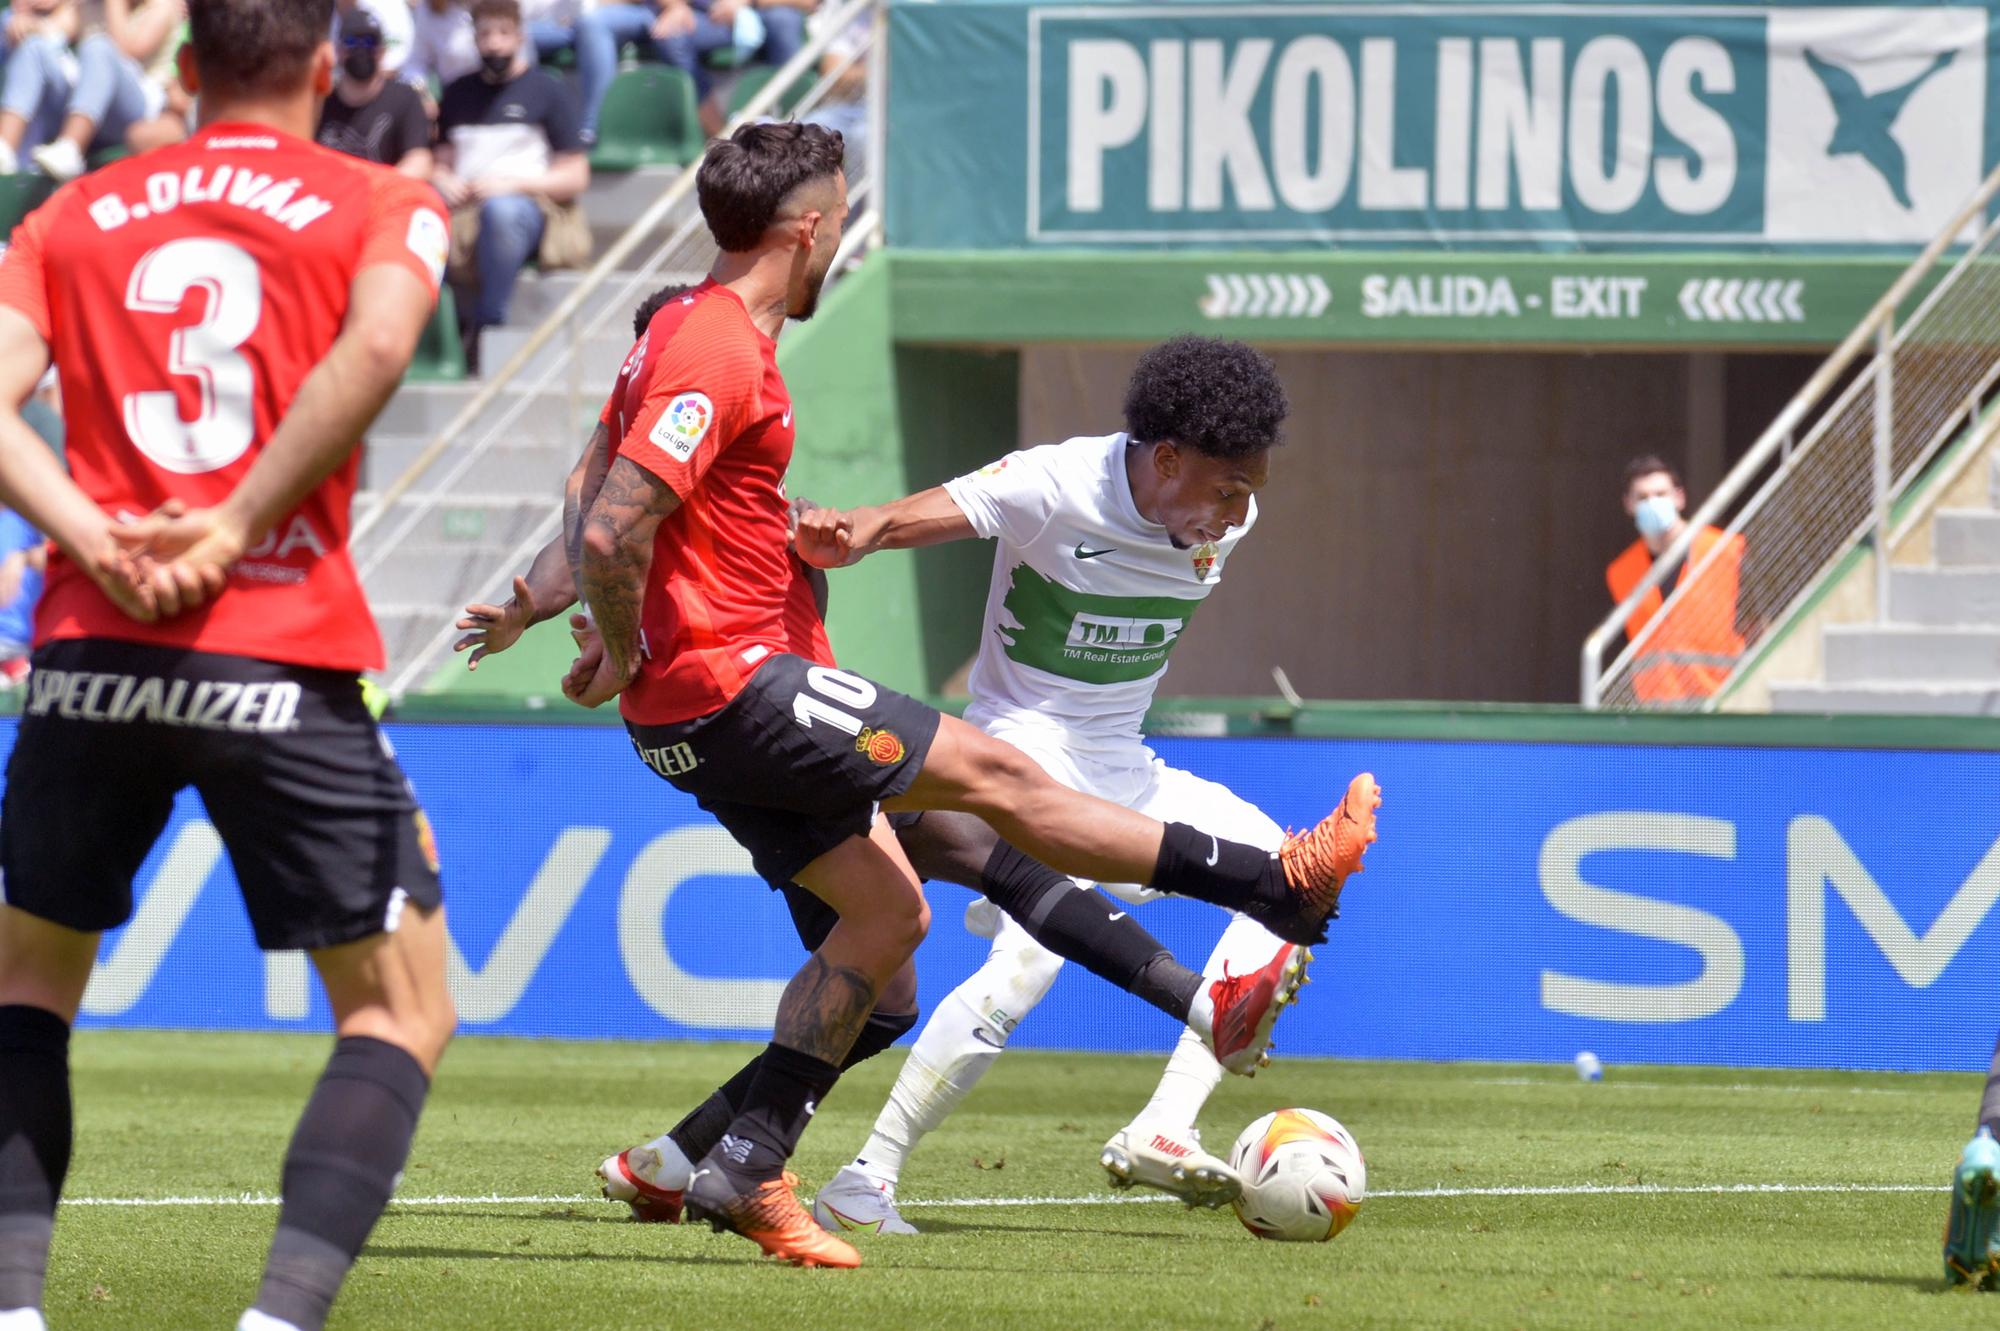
(1690, 655)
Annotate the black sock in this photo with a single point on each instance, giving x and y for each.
(697, 1134)
(34, 1146)
(1224, 873)
(344, 1160)
(1168, 986)
(788, 1087)
(1087, 928)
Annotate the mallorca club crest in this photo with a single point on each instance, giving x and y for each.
(1204, 560)
(883, 746)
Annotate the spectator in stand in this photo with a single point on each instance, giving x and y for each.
(60, 106)
(397, 24)
(1690, 655)
(443, 45)
(372, 115)
(844, 107)
(509, 155)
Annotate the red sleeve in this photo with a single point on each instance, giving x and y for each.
(702, 394)
(21, 274)
(406, 227)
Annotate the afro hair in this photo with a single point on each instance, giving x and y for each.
(1217, 397)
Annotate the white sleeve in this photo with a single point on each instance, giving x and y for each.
(1012, 499)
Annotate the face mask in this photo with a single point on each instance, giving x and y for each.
(361, 63)
(496, 64)
(1656, 516)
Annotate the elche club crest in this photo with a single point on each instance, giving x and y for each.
(1203, 556)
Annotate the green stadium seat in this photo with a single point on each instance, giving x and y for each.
(440, 356)
(649, 119)
(755, 78)
(106, 156)
(19, 196)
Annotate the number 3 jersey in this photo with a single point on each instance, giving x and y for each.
(1088, 597)
(185, 295)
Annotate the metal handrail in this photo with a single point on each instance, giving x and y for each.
(1876, 327)
(598, 274)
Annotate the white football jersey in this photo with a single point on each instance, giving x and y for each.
(1088, 598)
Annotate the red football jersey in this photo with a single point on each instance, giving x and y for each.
(700, 404)
(185, 295)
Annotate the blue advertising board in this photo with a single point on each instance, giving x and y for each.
(1671, 904)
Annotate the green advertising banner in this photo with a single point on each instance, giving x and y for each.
(1382, 299)
(1494, 125)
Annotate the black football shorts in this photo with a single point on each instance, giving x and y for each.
(797, 762)
(321, 825)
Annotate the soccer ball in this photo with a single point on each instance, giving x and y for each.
(1303, 1176)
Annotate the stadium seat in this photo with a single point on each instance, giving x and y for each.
(753, 81)
(439, 353)
(19, 196)
(649, 119)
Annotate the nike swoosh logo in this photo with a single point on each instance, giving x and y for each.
(1119, 916)
(1214, 851)
(786, 423)
(1082, 553)
(812, 1106)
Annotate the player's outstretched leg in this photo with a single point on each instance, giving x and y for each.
(1231, 1015)
(1292, 892)
(43, 970)
(1973, 1224)
(393, 1017)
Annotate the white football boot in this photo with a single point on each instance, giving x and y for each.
(853, 1203)
(1154, 1155)
(648, 1182)
(23, 1319)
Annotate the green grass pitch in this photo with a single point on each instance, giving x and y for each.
(178, 1115)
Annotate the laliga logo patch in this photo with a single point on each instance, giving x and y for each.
(684, 424)
(995, 468)
(1204, 560)
(429, 241)
(883, 746)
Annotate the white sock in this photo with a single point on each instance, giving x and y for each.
(1201, 1016)
(250, 1321)
(959, 1042)
(23, 1319)
(1192, 1074)
(674, 1169)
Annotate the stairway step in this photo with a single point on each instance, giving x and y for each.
(1968, 538)
(1858, 654)
(1888, 699)
(426, 409)
(1944, 596)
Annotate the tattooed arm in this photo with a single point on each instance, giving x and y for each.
(617, 551)
(586, 479)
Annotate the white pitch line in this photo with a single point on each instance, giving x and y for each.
(1618, 1084)
(1104, 1199)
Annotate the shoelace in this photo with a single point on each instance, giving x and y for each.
(1313, 856)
